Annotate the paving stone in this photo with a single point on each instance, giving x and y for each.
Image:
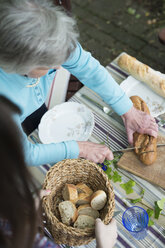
(107, 29)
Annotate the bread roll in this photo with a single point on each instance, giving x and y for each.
(146, 142)
(70, 193)
(87, 210)
(68, 212)
(98, 199)
(154, 79)
(84, 221)
(83, 188)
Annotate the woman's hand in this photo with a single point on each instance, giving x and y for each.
(139, 121)
(106, 235)
(94, 152)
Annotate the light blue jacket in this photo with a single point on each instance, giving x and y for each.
(89, 71)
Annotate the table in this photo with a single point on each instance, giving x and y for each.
(105, 124)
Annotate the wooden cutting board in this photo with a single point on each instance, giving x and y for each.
(154, 173)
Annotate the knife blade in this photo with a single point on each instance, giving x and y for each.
(129, 149)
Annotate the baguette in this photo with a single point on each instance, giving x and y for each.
(154, 79)
(146, 142)
(87, 210)
(83, 188)
(70, 193)
(68, 212)
(83, 199)
(84, 221)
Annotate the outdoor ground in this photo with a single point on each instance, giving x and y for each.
(109, 27)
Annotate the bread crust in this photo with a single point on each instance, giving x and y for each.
(154, 79)
(146, 142)
(95, 201)
(70, 193)
(83, 188)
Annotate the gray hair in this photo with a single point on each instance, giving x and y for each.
(34, 33)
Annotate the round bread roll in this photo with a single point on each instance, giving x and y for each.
(98, 200)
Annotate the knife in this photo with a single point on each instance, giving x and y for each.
(132, 148)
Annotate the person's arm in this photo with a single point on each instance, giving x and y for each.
(106, 235)
(89, 71)
(39, 154)
(92, 74)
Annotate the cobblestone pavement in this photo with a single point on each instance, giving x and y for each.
(109, 27)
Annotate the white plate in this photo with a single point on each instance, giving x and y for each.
(66, 121)
(155, 103)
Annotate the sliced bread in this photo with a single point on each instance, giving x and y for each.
(84, 221)
(83, 188)
(98, 200)
(70, 193)
(83, 199)
(87, 210)
(68, 212)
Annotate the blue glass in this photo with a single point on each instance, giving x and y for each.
(135, 220)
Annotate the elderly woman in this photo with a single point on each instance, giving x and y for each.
(35, 39)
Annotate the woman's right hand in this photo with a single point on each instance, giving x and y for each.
(96, 153)
(106, 235)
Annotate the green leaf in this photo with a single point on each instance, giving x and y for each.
(157, 211)
(137, 16)
(108, 171)
(128, 186)
(108, 162)
(131, 11)
(116, 177)
(150, 222)
(150, 213)
(135, 200)
(102, 143)
(142, 192)
(160, 203)
(110, 177)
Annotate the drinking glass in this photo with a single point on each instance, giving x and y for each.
(135, 220)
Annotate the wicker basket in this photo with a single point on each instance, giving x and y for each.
(74, 171)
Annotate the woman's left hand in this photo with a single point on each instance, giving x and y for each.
(139, 121)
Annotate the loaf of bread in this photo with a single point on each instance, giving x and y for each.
(70, 193)
(68, 212)
(98, 199)
(83, 198)
(146, 142)
(84, 221)
(87, 210)
(83, 188)
(154, 79)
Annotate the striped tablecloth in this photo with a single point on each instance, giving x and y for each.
(106, 125)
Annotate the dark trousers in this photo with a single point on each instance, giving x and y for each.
(33, 120)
